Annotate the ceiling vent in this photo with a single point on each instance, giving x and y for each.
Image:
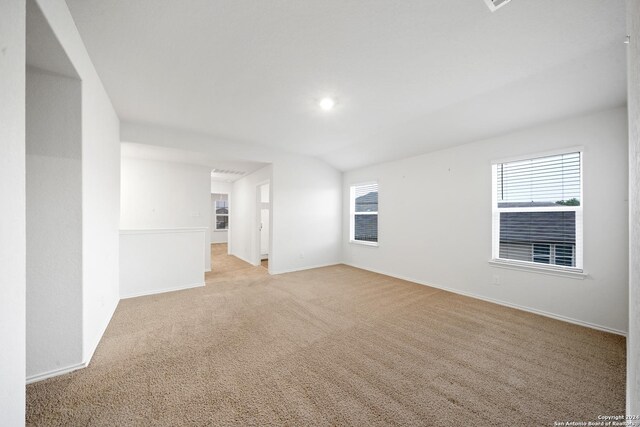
(496, 4)
(226, 172)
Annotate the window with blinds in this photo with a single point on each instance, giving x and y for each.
(537, 211)
(364, 213)
(221, 209)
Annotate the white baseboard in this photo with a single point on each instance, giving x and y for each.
(162, 291)
(500, 302)
(311, 267)
(55, 373)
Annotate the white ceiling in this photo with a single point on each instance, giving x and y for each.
(409, 76)
(219, 166)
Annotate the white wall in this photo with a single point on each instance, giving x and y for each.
(306, 214)
(165, 195)
(633, 344)
(12, 214)
(218, 187)
(100, 182)
(54, 223)
(435, 221)
(100, 211)
(221, 187)
(156, 261)
(306, 202)
(305, 218)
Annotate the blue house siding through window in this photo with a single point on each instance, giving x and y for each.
(544, 237)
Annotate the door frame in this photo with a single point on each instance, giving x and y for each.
(258, 220)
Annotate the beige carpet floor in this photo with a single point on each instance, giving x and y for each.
(332, 346)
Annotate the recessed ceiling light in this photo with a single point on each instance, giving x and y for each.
(327, 103)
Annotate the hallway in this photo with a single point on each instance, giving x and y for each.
(225, 267)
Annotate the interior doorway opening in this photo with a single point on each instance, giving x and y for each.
(264, 221)
(54, 338)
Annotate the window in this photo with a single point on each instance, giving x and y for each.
(221, 206)
(364, 214)
(537, 211)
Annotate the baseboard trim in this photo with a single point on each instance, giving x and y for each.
(293, 270)
(50, 374)
(162, 291)
(500, 302)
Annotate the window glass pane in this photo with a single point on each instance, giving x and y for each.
(222, 222)
(222, 207)
(564, 250)
(542, 253)
(564, 255)
(366, 227)
(564, 261)
(543, 181)
(366, 198)
(538, 227)
(529, 236)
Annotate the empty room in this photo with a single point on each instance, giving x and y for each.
(320, 213)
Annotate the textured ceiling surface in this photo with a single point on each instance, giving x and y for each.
(222, 169)
(408, 76)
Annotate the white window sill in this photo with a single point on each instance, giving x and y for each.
(220, 231)
(533, 268)
(363, 243)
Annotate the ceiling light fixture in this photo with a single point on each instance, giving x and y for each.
(327, 103)
(496, 4)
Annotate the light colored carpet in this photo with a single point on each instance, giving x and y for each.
(332, 346)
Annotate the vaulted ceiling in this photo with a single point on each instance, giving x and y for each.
(408, 76)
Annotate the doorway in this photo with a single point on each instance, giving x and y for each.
(54, 204)
(264, 219)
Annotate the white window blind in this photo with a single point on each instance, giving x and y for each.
(364, 213)
(537, 211)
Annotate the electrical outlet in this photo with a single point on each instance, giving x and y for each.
(496, 280)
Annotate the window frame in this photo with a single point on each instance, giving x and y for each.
(571, 271)
(352, 214)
